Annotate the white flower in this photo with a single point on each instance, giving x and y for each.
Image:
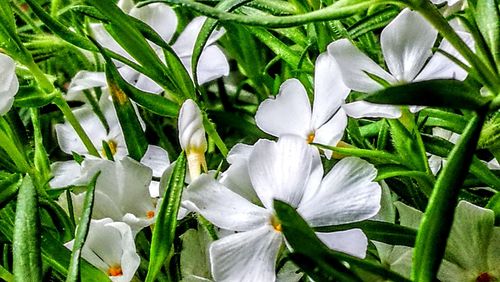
(110, 247)
(291, 171)
(192, 137)
(8, 83)
(436, 162)
(406, 44)
(121, 191)
(160, 17)
(290, 112)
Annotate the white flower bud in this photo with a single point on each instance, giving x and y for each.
(192, 137)
(8, 83)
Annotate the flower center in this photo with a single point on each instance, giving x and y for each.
(112, 147)
(276, 224)
(115, 271)
(485, 277)
(310, 137)
(150, 214)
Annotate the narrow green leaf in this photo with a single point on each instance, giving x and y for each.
(32, 97)
(487, 16)
(374, 21)
(60, 29)
(8, 187)
(152, 102)
(385, 232)
(81, 232)
(166, 220)
(207, 29)
(434, 93)
(373, 155)
(212, 133)
(6, 275)
(131, 127)
(307, 245)
(438, 218)
(26, 242)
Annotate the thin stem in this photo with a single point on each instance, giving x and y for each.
(66, 110)
(40, 77)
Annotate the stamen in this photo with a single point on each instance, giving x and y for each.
(275, 222)
(310, 137)
(150, 214)
(115, 271)
(113, 146)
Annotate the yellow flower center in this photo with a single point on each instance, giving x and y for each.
(150, 214)
(115, 271)
(310, 137)
(276, 223)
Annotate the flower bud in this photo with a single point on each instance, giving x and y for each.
(192, 137)
(8, 83)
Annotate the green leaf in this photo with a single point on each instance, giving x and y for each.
(374, 21)
(26, 242)
(131, 127)
(212, 133)
(60, 29)
(487, 16)
(438, 218)
(381, 231)
(6, 275)
(152, 102)
(8, 187)
(434, 93)
(315, 257)
(81, 232)
(207, 29)
(32, 97)
(166, 220)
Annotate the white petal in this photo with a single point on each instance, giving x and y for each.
(184, 45)
(288, 113)
(102, 36)
(212, 65)
(281, 170)
(248, 256)
(469, 238)
(158, 16)
(84, 80)
(191, 130)
(5, 104)
(331, 132)
(156, 158)
(8, 70)
(146, 84)
(223, 207)
(441, 67)
(65, 174)
(354, 65)
(329, 90)
(406, 44)
(361, 109)
(239, 152)
(347, 194)
(408, 216)
(352, 241)
(236, 178)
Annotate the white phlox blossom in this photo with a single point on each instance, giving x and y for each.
(192, 137)
(291, 171)
(121, 191)
(161, 18)
(290, 112)
(9, 85)
(406, 43)
(110, 247)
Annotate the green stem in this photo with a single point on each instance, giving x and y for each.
(40, 77)
(429, 11)
(41, 159)
(66, 110)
